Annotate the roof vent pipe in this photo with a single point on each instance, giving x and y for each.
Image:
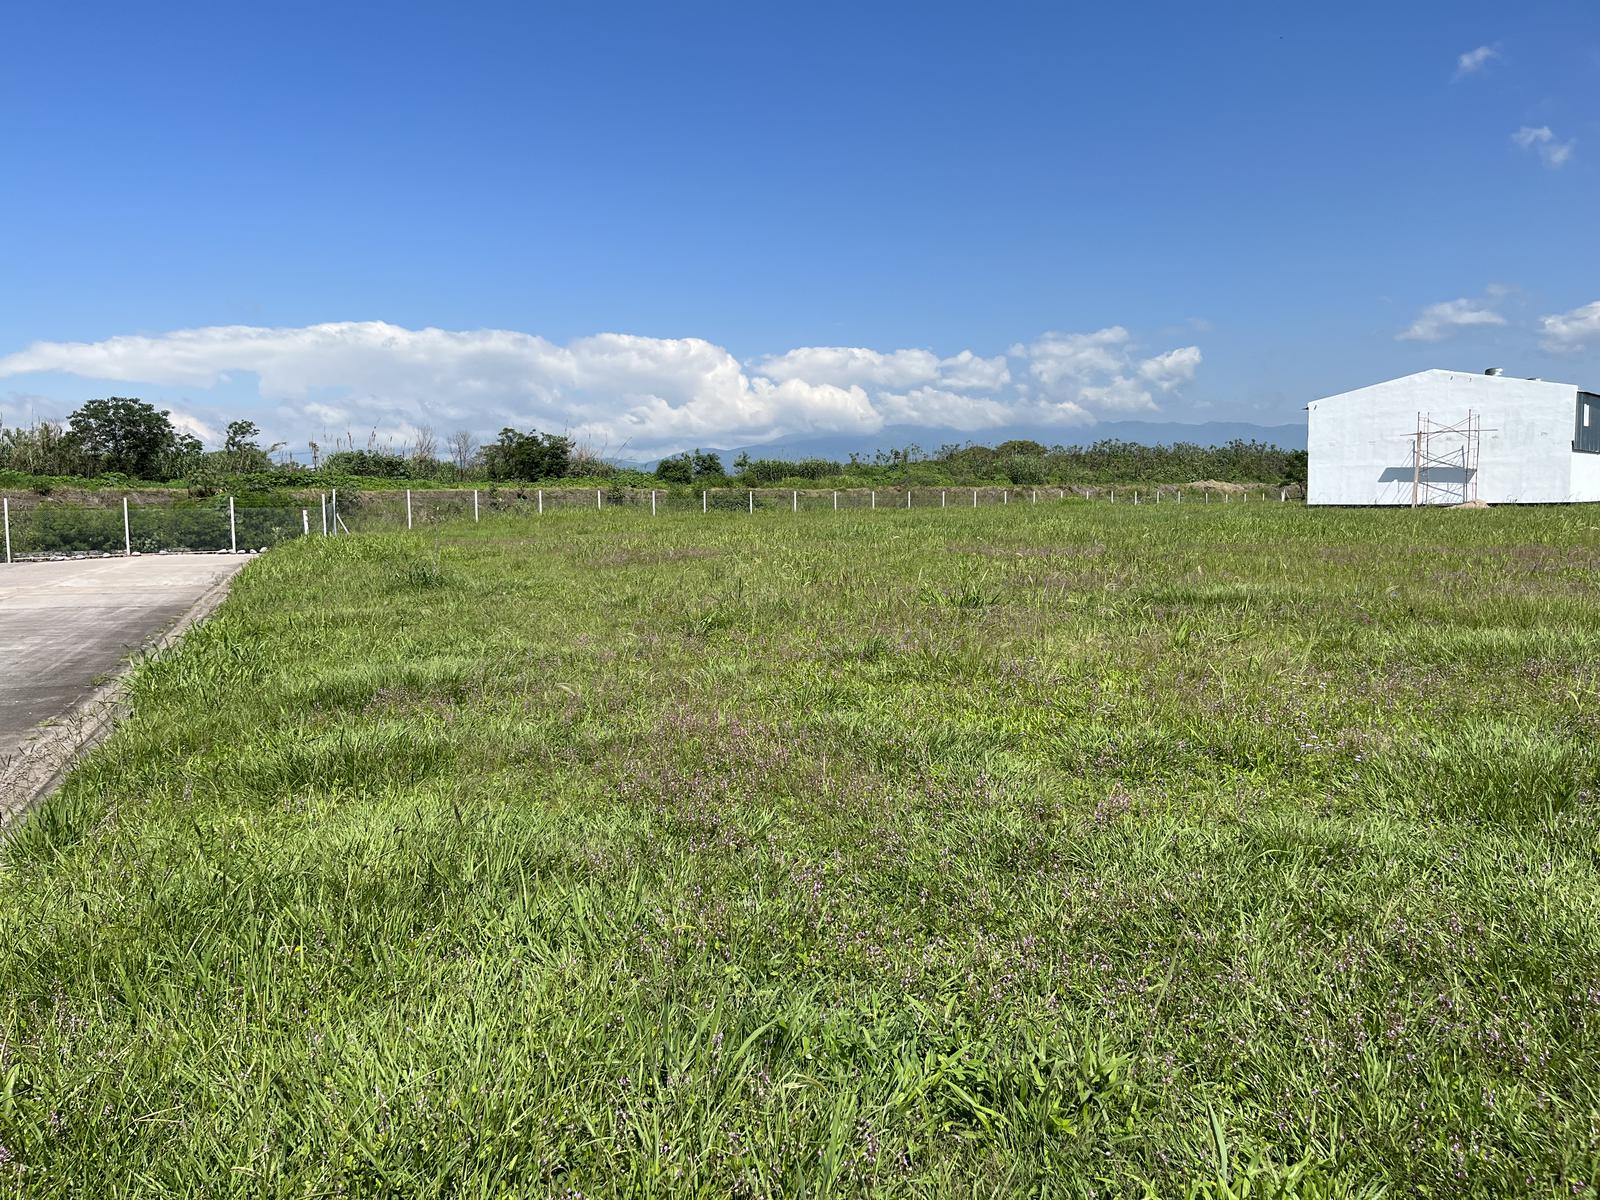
(1495, 371)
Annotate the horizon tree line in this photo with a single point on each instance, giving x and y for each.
(127, 437)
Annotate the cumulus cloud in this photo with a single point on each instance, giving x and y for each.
(967, 372)
(1168, 370)
(1439, 321)
(937, 406)
(1057, 358)
(1474, 61)
(1574, 329)
(1552, 152)
(192, 423)
(1078, 373)
(845, 366)
(617, 391)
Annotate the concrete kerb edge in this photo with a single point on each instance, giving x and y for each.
(40, 765)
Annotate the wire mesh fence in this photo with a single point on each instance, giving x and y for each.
(45, 527)
(399, 510)
(39, 527)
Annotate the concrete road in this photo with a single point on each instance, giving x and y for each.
(65, 626)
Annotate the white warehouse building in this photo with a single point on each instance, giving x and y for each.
(1447, 437)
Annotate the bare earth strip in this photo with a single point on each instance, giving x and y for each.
(67, 630)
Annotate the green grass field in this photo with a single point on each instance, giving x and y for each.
(1072, 850)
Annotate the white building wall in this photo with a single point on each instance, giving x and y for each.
(1360, 442)
(1586, 476)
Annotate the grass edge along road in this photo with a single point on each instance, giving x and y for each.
(1176, 851)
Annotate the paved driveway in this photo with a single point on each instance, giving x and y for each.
(65, 626)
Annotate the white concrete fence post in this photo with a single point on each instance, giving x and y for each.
(408, 508)
(474, 506)
(541, 502)
(974, 497)
(233, 529)
(652, 502)
(751, 499)
(598, 503)
(794, 502)
(908, 497)
(324, 514)
(5, 504)
(874, 497)
(944, 500)
(703, 503)
(1005, 496)
(127, 530)
(1036, 495)
(836, 502)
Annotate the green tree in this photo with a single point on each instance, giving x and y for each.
(121, 433)
(678, 468)
(241, 451)
(183, 455)
(1021, 447)
(707, 464)
(241, 436)
(527, 456)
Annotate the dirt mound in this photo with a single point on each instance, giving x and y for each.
(1216, 485)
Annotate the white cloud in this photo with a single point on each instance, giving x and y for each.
(188, 422)
(1542, 141)
(1120, 395)
(620, 393)
(1439, 321)
(1168, 370)
(1573, 329)
(967, 372)
(935, 406)
(845, 365)
(849, 365)
(1065, 358)
(1474, 61)
(1097, 372)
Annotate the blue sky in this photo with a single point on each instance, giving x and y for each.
(710, 224)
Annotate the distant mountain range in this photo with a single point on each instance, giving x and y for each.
(840, 446)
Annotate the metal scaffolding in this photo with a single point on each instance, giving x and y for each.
(1444, 460)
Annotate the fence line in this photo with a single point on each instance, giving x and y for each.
(45, 528)
(35, 528)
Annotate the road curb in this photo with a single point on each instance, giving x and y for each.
(38, 768)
